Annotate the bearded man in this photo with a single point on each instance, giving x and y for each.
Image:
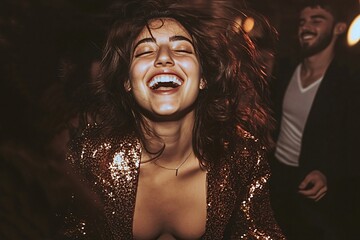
(309, 158)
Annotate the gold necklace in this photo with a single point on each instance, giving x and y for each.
(174, 169)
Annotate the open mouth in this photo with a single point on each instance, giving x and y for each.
(307, 35)
(164, 82)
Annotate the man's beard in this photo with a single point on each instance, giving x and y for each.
(318, 46)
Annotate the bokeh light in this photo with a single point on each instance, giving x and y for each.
(353, 35)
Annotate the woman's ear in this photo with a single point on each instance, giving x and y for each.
(202, 84)
(340, 28)
(127, 85)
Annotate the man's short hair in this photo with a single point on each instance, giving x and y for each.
(334, 7)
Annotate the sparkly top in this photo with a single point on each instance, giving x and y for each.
(238, 205)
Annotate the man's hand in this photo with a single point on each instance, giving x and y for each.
(314, 185)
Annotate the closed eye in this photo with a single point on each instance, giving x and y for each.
(317, 22)
(182, 46)
(143, 53)
(183, 51)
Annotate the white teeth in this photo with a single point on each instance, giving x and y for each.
(307, 37)
(164, 78)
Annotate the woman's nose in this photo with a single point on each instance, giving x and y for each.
(164, 57)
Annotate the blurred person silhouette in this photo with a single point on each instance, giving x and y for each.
(265, 38)
(35, 112)
(310, 170)
(178, 147)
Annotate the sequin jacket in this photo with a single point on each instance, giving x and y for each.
(237, 192)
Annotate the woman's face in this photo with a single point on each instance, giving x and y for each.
(164, 70)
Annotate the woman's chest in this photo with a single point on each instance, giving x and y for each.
(170, 206)
(188, 207)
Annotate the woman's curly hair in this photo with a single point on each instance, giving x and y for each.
(235, 99)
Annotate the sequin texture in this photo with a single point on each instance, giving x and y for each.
(238, 205)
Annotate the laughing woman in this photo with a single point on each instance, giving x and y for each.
(178, 150)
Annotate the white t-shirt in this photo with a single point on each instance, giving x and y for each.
(295, 110)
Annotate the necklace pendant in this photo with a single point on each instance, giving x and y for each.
(176, 172)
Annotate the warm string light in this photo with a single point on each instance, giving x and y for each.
(247, 25)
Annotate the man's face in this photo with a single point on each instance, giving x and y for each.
(316, 26)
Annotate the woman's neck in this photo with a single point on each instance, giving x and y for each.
(175, 136)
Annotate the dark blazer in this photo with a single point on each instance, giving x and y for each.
(331, 138)
(323, 133)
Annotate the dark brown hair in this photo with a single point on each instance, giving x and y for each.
(236, 94)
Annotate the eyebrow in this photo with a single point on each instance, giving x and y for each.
(314, 17)
(171, 39)
(180, 38)
(318, 16)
